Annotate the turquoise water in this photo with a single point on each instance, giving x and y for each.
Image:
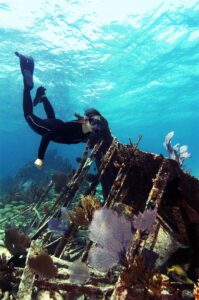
(136, 63)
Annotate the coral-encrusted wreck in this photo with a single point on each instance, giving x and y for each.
(162, 264)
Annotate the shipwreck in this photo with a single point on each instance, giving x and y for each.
(160, 263)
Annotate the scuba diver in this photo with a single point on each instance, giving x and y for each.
(89, 126)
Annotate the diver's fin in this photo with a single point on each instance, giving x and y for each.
(40, 95)
(27, 69)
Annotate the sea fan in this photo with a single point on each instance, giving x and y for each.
(79, 272)
(58, 225)
(102, 258)
(175, 152)
(111, 235)
(145, 221)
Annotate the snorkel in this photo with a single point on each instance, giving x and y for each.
(94, 122)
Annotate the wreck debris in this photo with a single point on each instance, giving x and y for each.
(75, 289)
(72, 188)
(27, 280)
(40, 200)
(7, 274)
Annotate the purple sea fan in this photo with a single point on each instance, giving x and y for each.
(79, 272)
(145, 221)
(59, 225)
(102, 258)
(111, 235)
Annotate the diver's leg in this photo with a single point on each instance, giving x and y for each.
(27, 69)
(41, 97)
(27, 103)
(40, 126)
(48, 108)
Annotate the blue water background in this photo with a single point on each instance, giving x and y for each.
(137, 62)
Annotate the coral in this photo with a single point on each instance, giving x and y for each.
(43, 265)
(15, 241)
(124, 209)
(112, 237)
(135, 272)
(26, 192)
(196, 291)
(158, 285)
(145, 221)
(79, 272)
(136, 277)
(82, 216)
(28, 174)
(60, 180)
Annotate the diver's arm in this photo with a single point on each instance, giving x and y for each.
(42, 150)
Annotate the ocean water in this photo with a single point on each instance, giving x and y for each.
(135, 61)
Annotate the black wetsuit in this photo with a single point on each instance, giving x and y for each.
(51, 129)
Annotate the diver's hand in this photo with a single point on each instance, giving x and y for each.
(41, 93)
(38, 163)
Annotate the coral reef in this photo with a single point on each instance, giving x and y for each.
(29, 177)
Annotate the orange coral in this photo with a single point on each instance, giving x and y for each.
(196, 291)
(82, 216)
